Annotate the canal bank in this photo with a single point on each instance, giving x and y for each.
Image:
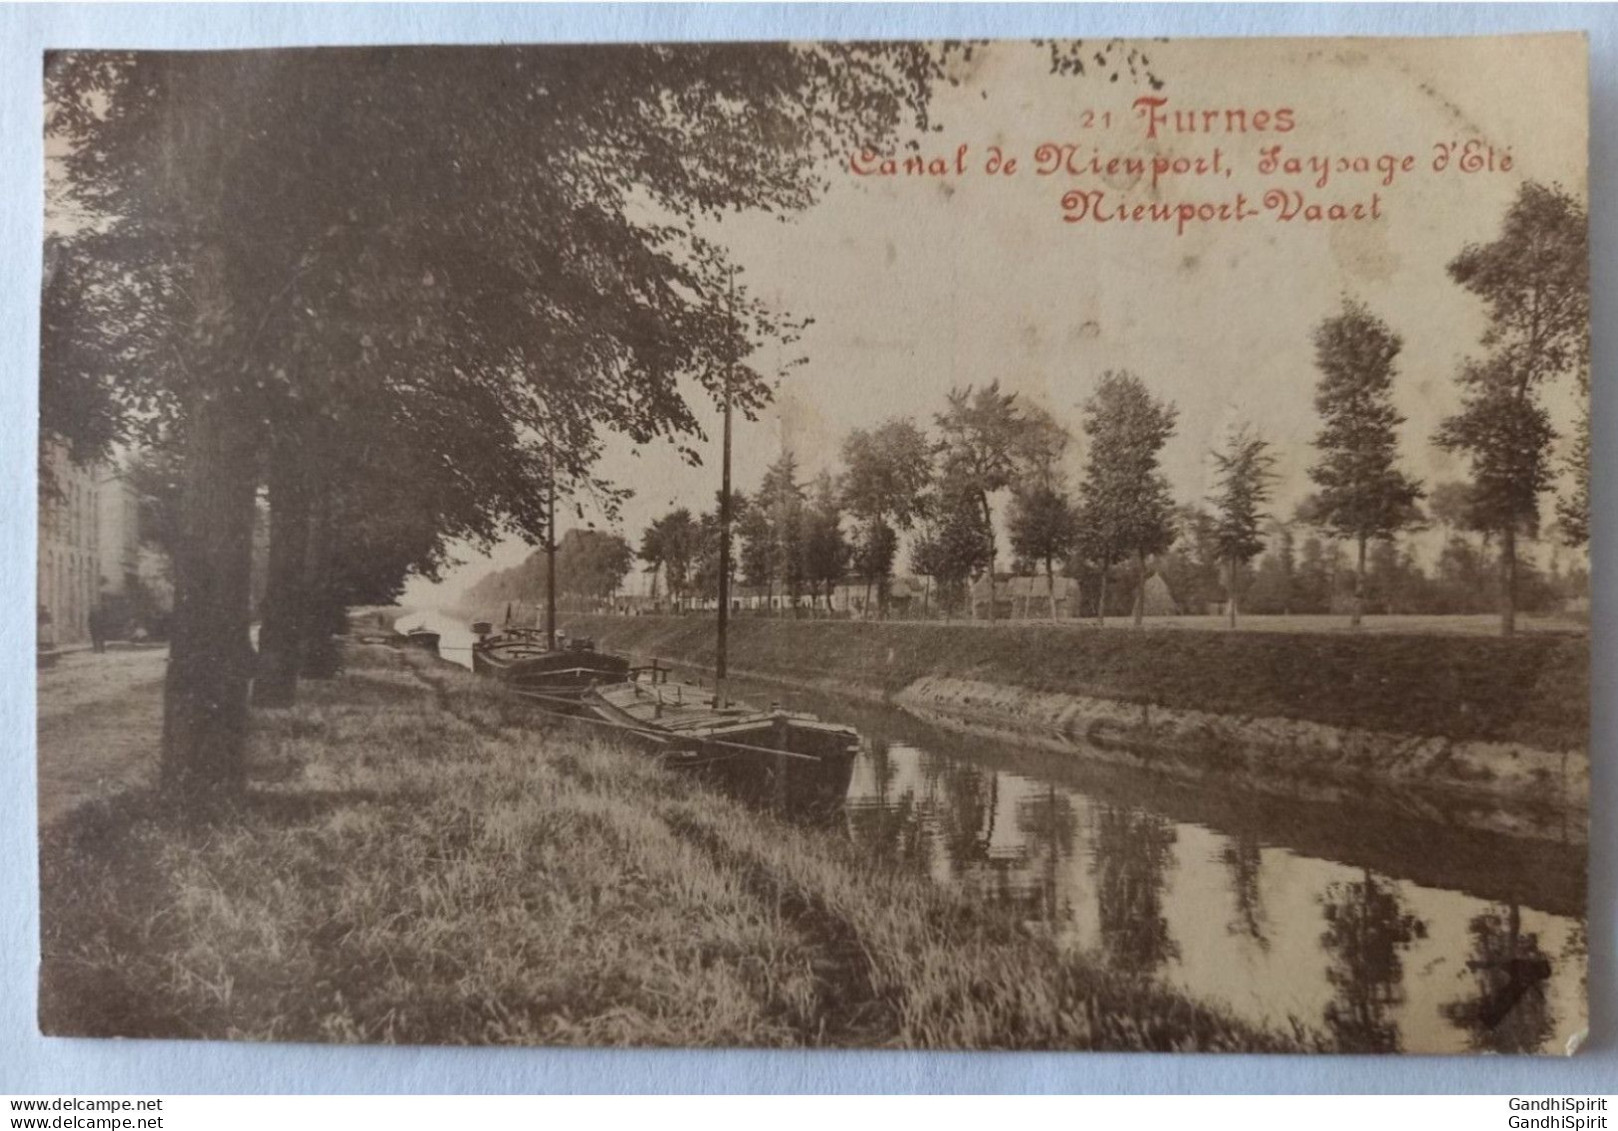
(422, 857)
(1496, 723)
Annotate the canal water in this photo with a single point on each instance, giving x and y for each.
(1386, 931)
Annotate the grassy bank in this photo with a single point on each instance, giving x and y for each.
(1530, 689)
(422, 860)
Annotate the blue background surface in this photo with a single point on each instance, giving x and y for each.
(29, 1063)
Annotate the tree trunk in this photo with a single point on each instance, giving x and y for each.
(1230, 593)
(1050, 588)
(1359, 587)
(1508, 581)
(1140, 589)
(280, 632)
(205, 692)
(322, 612)
(1101, 598)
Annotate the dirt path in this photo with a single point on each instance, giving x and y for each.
(100, 717)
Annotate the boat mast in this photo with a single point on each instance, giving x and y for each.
(724, 539)
(550, 561)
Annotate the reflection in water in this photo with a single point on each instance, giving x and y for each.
(1129, 858)
(1368, 928)
(1233, 918)
(888, 822)
(968, 812)
(1226, 898)
(1508, 1010)
(1047, 822)
(1244, 857)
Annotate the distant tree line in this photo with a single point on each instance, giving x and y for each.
(590, 567)
(1119, 524)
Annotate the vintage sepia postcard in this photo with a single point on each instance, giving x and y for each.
(1073, 544)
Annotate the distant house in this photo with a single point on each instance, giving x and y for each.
(1026, 598)
(854, 597)
(767, 599)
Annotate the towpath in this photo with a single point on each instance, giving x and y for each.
(100, 718)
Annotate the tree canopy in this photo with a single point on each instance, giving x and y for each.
(1534, 281)
(1125, 507)
(485, 254)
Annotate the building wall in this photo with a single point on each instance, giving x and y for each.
(89, 541)
(118, 519)
(69, 546)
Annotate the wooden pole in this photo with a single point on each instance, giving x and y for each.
(550, 563)
(724, 552)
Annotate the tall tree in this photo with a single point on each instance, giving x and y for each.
(886, 471)
(1245, 472)
(954, 544)
(1363, 495)
(669, 545)
(759, 556)
(979, 433)
(1534, 280)
(1124, 504)
(780, 507)
(1042, 521)
(404, 197)
(825, 550)
(1042, 527)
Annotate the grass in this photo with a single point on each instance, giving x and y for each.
(1532, 689)
(421, 859)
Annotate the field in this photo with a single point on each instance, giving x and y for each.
(1532, 688)
(422, 859)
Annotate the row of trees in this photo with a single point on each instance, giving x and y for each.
(1305, 573)
(941, 489)
(397, 295)
(895, 479)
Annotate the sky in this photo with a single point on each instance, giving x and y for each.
(918, 284)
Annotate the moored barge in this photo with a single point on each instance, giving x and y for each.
(787, 758)
(522, 658)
